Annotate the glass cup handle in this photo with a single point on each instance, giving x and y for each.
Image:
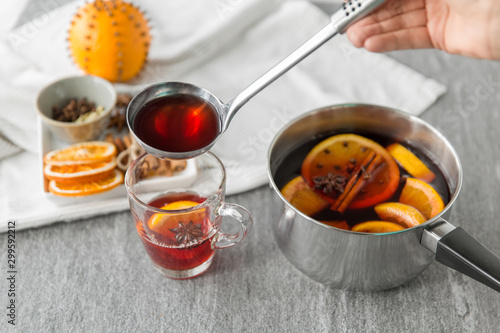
(240, 214)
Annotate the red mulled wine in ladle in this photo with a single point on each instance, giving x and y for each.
(177, 123)
(179, 120)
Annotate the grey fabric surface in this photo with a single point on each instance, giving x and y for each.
(94, 275)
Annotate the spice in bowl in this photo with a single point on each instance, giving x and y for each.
(77, 111)
(68, 95)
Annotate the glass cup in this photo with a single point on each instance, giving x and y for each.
(178, 217)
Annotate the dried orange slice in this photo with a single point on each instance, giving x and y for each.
(404, 215)
(75, 173)
(82, 153)
(410, 162)
(339, 155)
(422, 196)
(338, 224)
(163, 223)
(377, 227)
(86, 188)
(302, 197)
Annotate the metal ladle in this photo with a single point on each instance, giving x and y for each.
(351, 11)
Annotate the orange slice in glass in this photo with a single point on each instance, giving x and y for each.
(86, 188)
(82, 153)
(377, 227)
(411, 163)
(181, 204)
(422, 196)
(302, 197)
(404, 215)
(339, 155)
(163, 223)
(75, 173)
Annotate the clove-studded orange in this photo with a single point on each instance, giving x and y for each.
(109, 39)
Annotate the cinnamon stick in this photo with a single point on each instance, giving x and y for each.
(120, 146)
(357, 181)
(127, 141)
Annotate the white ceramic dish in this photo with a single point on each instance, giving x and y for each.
(48, 142)
(96, 89)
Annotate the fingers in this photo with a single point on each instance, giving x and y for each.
(393, 8)
(413, 19)
(393, 15)
(412, 38)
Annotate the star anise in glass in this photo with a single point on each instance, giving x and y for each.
(187, 233)
(330, 182)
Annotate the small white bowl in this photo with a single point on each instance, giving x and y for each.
(60, 92)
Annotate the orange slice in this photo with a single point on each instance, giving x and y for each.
(82, 153)
(411, 163)
(377, 227)
(74, 173)
(422, 196)
(339, 155)
(86, 188)
(338, 224)
(404, 215)
(181, 204)
(163, 223)
(302, 197)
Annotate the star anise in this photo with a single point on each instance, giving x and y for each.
(187, 233)
(330, 182)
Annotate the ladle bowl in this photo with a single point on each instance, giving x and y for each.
(174, 88)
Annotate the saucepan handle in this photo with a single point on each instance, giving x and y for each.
(456, 248)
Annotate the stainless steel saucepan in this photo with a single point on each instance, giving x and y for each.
(361, 261)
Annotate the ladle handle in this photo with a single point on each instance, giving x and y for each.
(279, 69)
(459, 250)
(351, 11)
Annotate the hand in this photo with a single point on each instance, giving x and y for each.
(466, 27)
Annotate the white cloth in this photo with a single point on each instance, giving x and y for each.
(222, 46)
